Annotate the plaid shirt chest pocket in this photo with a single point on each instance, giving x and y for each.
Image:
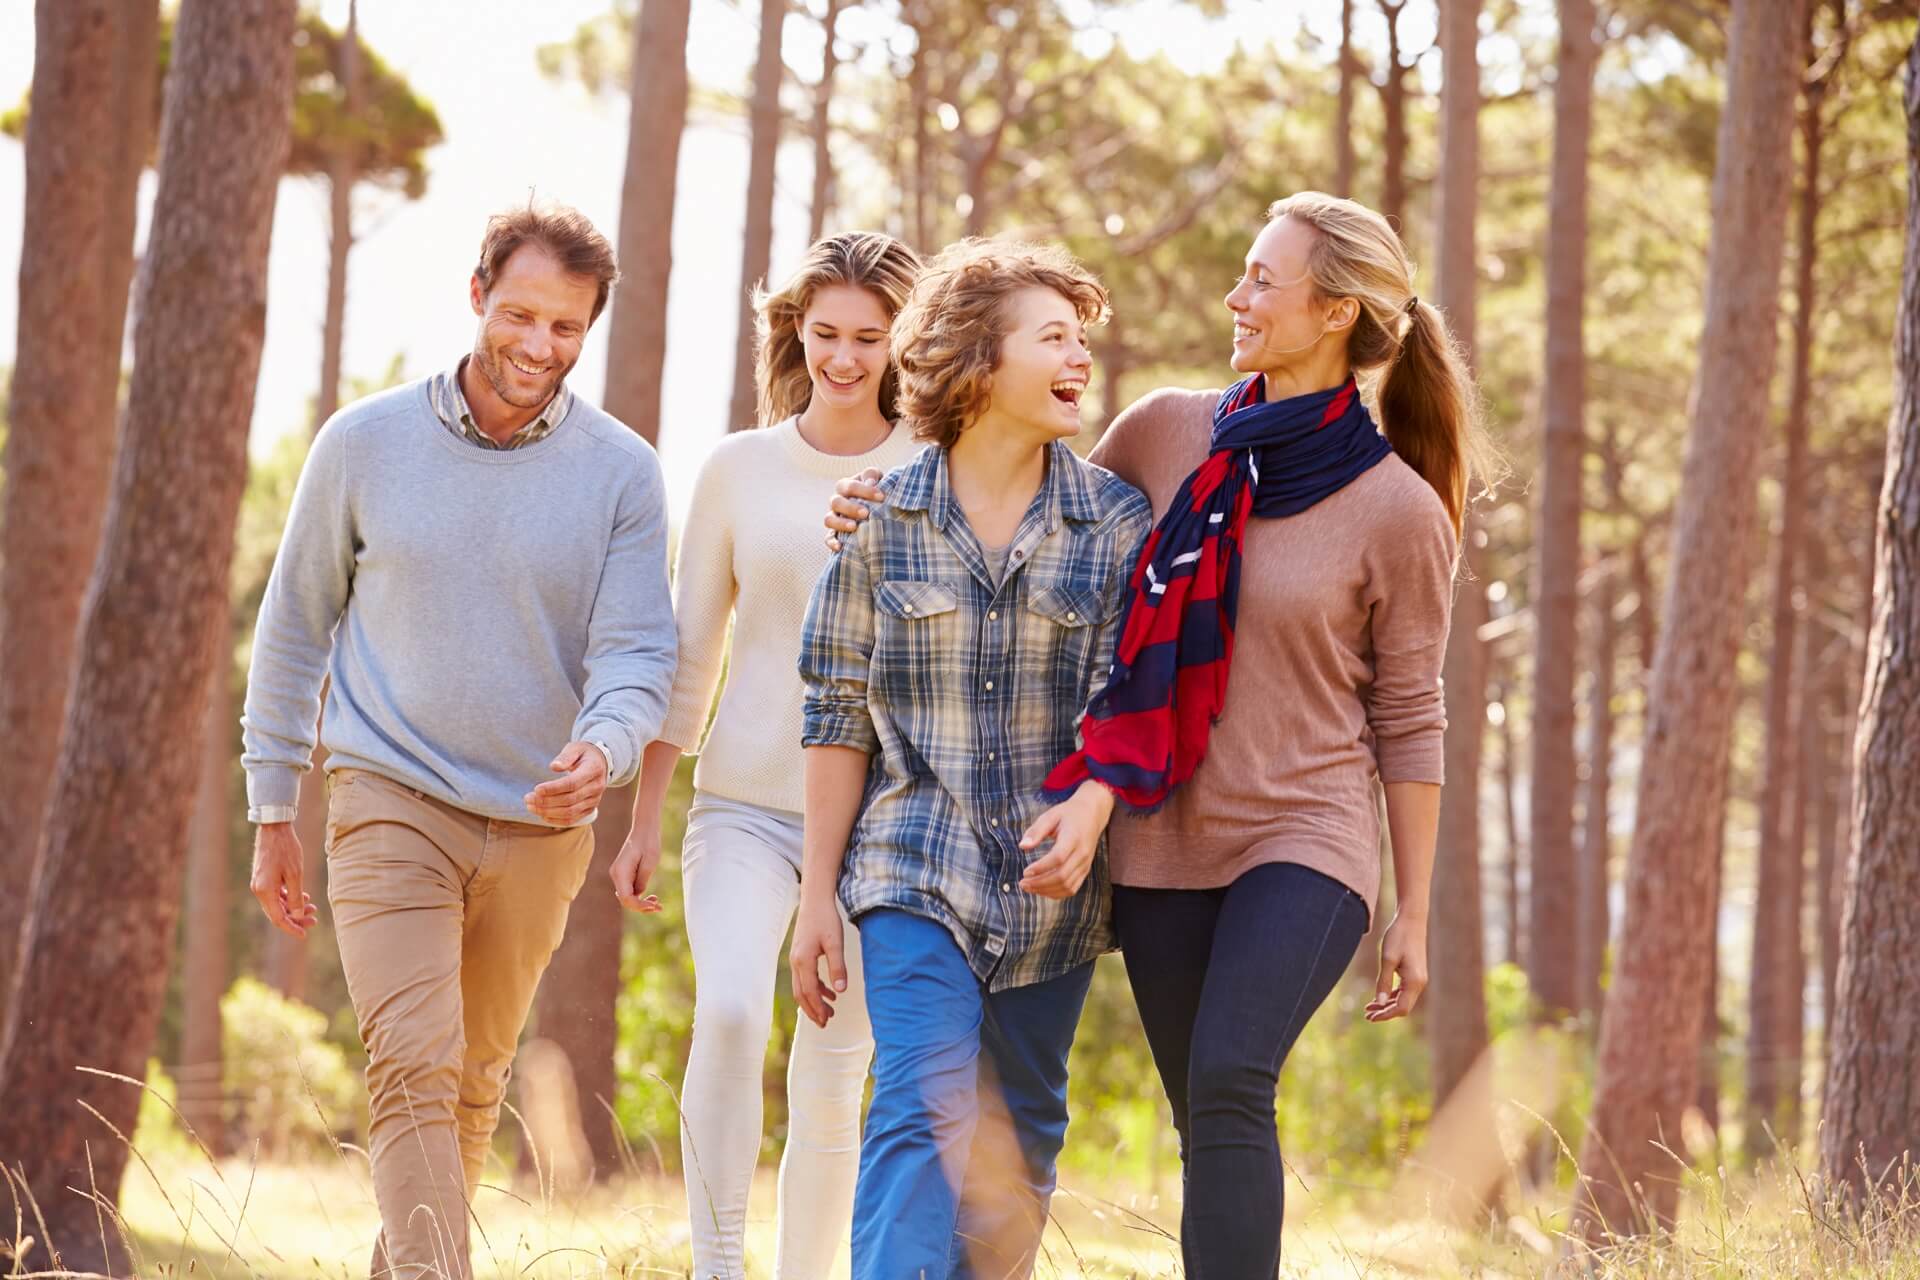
(921, 638)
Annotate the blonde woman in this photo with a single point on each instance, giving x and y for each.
(1247, 863)
(826, 389)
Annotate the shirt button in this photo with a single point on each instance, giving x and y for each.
(906, 608)
(993, 822)
(989, 757)
(1019, 555)
(993, 615)
(989, 684)
(1070, 615)
(1006, 888)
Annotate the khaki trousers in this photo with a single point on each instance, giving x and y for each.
(446, 921)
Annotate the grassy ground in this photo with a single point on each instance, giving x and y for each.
(187, 1217)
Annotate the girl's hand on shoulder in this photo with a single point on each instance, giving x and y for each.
(848, 506)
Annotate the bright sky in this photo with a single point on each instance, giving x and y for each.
(509, 130)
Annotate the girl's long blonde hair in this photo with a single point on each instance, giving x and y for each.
(869, 260)
(1428, 405)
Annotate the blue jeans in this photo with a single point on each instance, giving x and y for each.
(969, 1108)
(1225, 979)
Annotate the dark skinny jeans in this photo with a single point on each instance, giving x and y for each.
(1225, 980)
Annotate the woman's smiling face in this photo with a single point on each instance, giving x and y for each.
(844, 333)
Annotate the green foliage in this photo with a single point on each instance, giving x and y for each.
(390, 136)
(157, 1130)
(287, 1086)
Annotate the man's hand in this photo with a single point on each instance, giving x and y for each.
(1403, 955)
(1075, 825)
(576, 793)
(277, 869)
(817, 934)
(848, 507)
(633, 867)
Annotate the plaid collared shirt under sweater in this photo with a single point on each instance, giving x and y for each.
(450, 406)
(966, 692)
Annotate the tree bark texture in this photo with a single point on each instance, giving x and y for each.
(89, 992)
(1774, 996)
(823, 176)
(1595, 842)
(1651, 1025)
(1509, 812)
(343, 170)
(1393, 107)
(1553, 889)
(1872, 1120)
(87, 141)
(1457, 1024)
(204, 934)
(637, 341)
(756, 251)
(1343, 107)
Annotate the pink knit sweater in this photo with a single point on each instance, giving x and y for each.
(1341, 631)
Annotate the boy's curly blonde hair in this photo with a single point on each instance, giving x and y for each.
(946, 340)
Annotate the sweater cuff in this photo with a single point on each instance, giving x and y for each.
(273, 787)
(683, 725)
(1420, 757)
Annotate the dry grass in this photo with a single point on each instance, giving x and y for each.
(185, 1219)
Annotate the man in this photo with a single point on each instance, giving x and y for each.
(477, 562)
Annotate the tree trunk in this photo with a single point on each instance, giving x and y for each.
(1773, 1050)
(94, 64)
(1457, 1024)
(1595, 843)
(1872, 1121)
(1651, 1025)
(918, 105)
(1343, 109)
(343, 170)
(1706, 1095)
(1553, 929)
(1509, 786)
(637, 340)
(823, 127)
(95, 964)
(1393, 105)
(581, 984)
(206, 963)
(756, 250)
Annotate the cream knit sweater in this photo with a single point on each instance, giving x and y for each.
(750, 549)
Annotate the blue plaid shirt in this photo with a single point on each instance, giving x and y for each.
(966, 692)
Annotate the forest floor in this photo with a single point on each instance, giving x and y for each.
(319, 1220)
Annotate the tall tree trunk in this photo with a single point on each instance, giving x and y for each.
(206, 963)
(1553, 930)
(95, 964)
(1457, 1024)
(1393, 104)
(1509, 812)
(87, 140)
(756, 250)
(919, 103)
(1651, 1025)
(823, 127)
(1343, 109)
(1773, 1050)
(1595, 842)
(582, 983)
(1706, 1094)
(637, 337)
(1872, 1120)
(343, 171)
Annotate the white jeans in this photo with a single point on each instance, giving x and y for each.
(740, 867)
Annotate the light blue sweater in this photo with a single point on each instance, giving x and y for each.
(475, 610)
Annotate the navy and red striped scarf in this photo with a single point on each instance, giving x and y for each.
(1146, 732)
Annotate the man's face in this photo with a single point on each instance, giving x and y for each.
(532, 323)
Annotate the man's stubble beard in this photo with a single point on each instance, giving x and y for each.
(488, 361)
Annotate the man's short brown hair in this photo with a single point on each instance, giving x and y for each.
(561, 231)
(946, 340)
